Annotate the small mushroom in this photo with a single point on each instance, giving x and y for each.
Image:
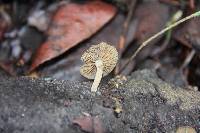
(99, 61)
(186, 129)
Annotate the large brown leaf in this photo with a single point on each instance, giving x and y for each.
(72, 24)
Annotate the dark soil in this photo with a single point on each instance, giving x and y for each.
(47, 105)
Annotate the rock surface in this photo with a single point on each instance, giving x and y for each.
(46, 105)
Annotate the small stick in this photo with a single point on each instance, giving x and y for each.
(174, 19)
(196, 14)
(122, 38)
(174, 3)
(192, 4)
(188, 59)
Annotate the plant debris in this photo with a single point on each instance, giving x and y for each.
(41, 87)
(69, 21)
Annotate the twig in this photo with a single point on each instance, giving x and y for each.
(188, 59)
(174, 3)
(192, 4)
(173, 19)
(196, 14)
(122, 39)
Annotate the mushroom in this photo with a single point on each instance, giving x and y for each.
(99, 61)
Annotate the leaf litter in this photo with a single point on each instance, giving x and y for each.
(76, 26)
(71, 24)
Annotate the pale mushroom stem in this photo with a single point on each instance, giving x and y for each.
(98, 76)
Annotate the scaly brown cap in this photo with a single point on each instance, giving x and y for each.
(107, 53)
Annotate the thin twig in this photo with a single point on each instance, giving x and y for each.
(174, 3)
(173, 19)
(122, 38)
(188, 59)
(192, 4)
(196, 14)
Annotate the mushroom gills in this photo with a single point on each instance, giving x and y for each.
(98, 76)
(99, 61)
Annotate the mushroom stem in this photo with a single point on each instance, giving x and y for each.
(98, 76)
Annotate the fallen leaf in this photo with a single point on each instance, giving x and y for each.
(84, 122)
(89, 124)
(71, 24)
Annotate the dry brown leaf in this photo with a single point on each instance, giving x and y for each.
(89, 124)
(72, 24)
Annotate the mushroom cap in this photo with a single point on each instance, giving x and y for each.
(102, 51)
